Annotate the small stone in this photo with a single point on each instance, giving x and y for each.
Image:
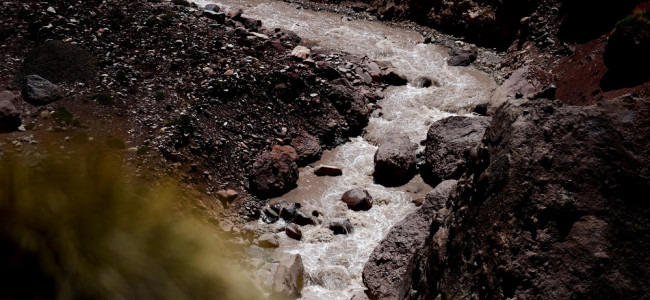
(325, 170)
(51, 10)
(229, 72)
(302, 218)
(227, 196)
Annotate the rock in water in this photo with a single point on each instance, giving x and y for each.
(288, 279)
(387, 274)
(448, 145)
(325, 170)
(340, 226)
(39, 91)
(393, 77)
(395, 161)
(274, 173)
(357, 199)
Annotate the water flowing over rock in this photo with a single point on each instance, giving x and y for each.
(395, 161)
(387, 275)
(288, 279)
(274, 172)
(448, 146)
(549, 207)
(357, 199)
(40, 91)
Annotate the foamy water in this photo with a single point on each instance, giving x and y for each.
(334, 263)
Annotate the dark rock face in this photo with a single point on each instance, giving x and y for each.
(351, 104)
(325, 170)
(626, 52)
(395, 161)
(40, 91)
(551, 207)
(274, 173)
(448, 146)
(387, 274)
(357, 199)
(393, 77)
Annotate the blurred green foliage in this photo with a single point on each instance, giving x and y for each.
(80, 228)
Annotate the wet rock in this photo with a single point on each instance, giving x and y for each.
(288, 278)
(307, 147)
(340, 226)
(392, 77)
(9, 116)
(374, 71)
(227, 196)
(462, 56)
(301, 218)
(268, 240)
(40, 91)
(270, 215)
(212, 7)
(300, 52)
(395, 161)
(387, 274)
(293, 231)
(424, 82)
(357, 199)
(325, 170)
(274, 173)
(448, 146)
(288, 211)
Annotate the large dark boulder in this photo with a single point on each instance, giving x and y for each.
(395, 161)
(352, 105)
(307, 147)
(448, 146)
(626, 52)
(274, 173)
(552, 206)
(387, 274)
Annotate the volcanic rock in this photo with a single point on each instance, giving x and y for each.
(392, 77)
(293, 231)
(325, 170)
(462, 56)
(340, 226)
(9, 116)
(307, 147)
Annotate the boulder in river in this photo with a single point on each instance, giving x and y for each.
(448, 146)
(325, 170)
(462, 56)
(393, 77)
(274, 173)
(395, 161)
(288, 279)
(357, 199)
(340, 226)
(293, 231)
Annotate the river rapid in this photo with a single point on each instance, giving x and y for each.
(334, 263)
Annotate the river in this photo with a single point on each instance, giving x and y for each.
(334, 263)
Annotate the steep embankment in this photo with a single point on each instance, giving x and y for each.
(193, 93)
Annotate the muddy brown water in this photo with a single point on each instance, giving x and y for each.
(334, 263)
